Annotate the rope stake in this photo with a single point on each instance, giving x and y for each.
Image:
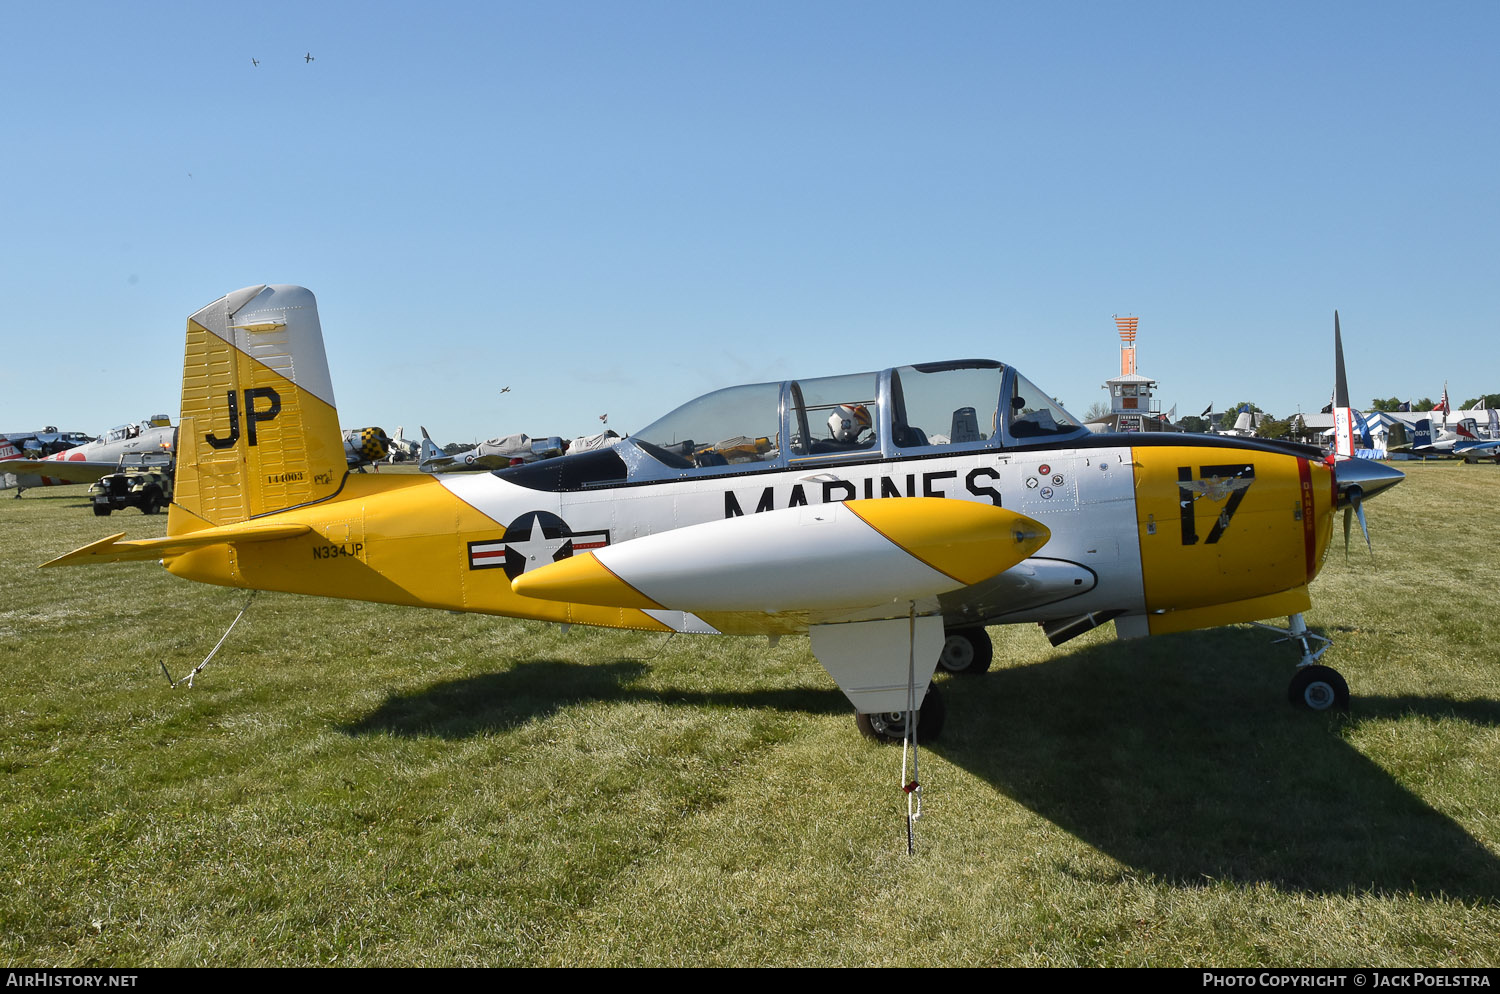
(199, 668)
(911, 787)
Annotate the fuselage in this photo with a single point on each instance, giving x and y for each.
(1172, 532)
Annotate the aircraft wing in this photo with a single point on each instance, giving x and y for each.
(60, 471)
(861, 577)
(1476, 450)
(465, 462)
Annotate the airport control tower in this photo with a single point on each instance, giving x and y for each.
(1130, 405)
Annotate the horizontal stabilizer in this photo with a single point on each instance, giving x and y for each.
(112, 550)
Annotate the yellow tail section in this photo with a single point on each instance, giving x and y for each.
(259, 430)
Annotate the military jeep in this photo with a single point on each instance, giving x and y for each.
(142, 479)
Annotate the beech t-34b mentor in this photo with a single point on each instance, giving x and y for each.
(890, 515)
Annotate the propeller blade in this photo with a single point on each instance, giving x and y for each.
(1340, 382)
(1355, 508)
(1359, 512)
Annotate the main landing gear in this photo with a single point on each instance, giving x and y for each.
(890, 726)
(967, 650)
(1314, 687)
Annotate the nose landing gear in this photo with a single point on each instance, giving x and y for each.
(1314, 687)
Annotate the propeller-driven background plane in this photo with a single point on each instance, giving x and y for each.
(891, 515)
(492, 453)
(92, 461)
(365, 447)
(44, 442)
(1462, 442)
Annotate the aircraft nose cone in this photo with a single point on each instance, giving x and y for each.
(1366, 475)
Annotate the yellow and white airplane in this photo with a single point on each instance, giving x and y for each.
(891, 515)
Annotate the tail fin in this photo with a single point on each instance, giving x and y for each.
(1468, 428)
(1421, 433)
(433, 459)
(259, 430)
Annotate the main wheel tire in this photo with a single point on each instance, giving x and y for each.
(967, 650)
(152, 501)
(101, 510)
(890, 726)
(1319, 688)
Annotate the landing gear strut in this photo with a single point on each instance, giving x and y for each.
(1315, 687)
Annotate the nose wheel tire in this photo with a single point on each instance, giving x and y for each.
(1319, 688)
(890, 726)
(967, 650)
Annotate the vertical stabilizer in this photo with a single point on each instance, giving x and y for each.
(259, 430)
(1421, 433)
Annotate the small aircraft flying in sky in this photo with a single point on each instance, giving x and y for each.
(254, 61)
(91, 461)
(890, 515)
(308, 58)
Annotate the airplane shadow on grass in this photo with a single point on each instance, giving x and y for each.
(1180, 756)
(1177, 756)
(535, 689)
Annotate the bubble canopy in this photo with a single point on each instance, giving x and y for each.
(906, 410)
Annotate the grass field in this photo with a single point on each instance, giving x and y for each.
(363, 785)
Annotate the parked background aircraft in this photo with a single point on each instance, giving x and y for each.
(1244, 425)
(1462, 442)
(93, 460)
(741, 512)
(403, 448)
(365, 446)
(493, 453)
(44, 442)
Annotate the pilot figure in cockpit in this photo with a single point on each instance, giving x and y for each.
(847, 423)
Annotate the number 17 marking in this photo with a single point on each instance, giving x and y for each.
(1216, 483)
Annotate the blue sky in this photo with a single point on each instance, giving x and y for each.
(616, 206)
